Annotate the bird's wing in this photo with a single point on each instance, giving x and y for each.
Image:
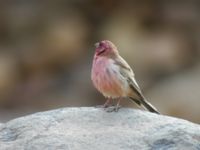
(128, 74)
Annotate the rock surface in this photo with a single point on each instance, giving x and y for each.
(95, 129)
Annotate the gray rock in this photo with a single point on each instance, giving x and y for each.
(95, 129)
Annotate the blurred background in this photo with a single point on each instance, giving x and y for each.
(47, 47)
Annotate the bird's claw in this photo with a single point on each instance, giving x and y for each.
(102, 106)
(113, 109)
(99, 106)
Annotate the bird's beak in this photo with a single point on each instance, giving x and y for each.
(96, 44)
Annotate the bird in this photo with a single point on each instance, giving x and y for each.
(113, 77)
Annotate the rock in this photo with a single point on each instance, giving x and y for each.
(94, 128)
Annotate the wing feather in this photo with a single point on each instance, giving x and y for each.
(128, 74)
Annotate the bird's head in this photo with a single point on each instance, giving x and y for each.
(106, 48)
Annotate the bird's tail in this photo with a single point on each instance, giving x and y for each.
(146, 104)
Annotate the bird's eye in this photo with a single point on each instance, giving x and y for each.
(100, 44)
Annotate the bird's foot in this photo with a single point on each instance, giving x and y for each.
(101, 106)
(106, 105)
(113, 108)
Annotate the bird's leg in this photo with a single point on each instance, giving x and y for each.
(113, 102)
(106, 104)
(115, 107)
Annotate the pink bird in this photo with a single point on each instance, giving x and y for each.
(113, 77)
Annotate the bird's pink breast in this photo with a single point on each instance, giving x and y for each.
(105, 78)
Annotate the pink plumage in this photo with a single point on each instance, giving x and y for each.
(105, 79)
(113, 77)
